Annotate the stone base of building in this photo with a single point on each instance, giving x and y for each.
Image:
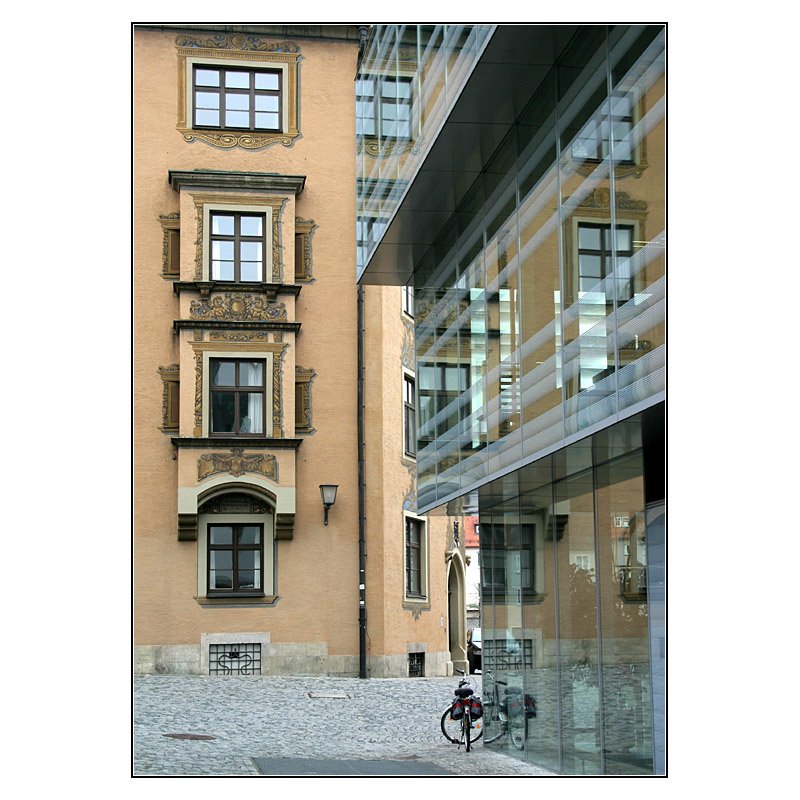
(254, 654)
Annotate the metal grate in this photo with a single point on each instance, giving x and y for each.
(234, 659)
(416, 665)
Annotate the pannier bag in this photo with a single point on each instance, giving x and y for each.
(476, 707)
(457, 709)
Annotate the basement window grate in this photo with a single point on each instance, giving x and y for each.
(416, 665)
(234, 659)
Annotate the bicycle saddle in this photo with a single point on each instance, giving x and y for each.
(465, 692)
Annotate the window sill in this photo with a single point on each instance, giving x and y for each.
(416, 603)
(235, 441)
(240, 601)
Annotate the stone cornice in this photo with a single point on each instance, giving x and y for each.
(247, 325)
(236, 181)
(229, 442)
(206, 287)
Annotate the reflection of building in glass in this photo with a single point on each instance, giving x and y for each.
(526, 209)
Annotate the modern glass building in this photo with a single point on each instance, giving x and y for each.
(514, 177)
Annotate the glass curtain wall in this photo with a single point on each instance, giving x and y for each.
(566, 550)
(409, 78)
(541, 306)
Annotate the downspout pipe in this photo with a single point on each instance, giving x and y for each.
(362, 490)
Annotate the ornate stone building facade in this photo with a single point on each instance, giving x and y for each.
(252, 388)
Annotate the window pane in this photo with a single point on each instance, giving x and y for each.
(222, 271)
(221, 534)
(251, 226)
(222, 251)
(222, 225)
(590, 266)
(266, 102)
(365, 87)
(222, 411)
(250, 251)
(221, 580)
(250, 271)
(624, 239)
(237, 80)
(250, 534)
(223, 373)
(237, 119)
(207, 117)
(206, 77)
(267, 80)
(264, 120)
(251, 373)
(588, 238)
(237, 102)
(221, 559)
(207, 100)
(251, 412)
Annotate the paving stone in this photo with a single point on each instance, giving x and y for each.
(299, 718)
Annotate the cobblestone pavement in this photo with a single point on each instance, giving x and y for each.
(275, 717)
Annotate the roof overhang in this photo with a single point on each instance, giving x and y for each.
(513, 65)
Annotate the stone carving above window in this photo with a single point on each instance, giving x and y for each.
(236, 463)
(240, 307)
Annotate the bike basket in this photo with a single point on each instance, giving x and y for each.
(475, 707)
(457, 709)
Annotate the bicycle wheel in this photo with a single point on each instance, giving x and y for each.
(466, 728)
(451, 728)
(517, 730)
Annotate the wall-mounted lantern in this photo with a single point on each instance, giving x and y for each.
(328, 492)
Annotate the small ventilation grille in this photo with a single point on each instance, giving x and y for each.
(416, 665)
(234, 659)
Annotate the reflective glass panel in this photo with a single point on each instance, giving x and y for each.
(267, 80)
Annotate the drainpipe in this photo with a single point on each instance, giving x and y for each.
(362, 490)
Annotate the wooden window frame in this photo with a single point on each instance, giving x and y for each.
(409, 416)
(236, 390)
(223, 91)
(235, 548)
(237, 238)
(411, 590)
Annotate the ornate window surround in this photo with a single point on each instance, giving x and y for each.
(272, 352)
(271, 206)
(242, 51)
(171, 226)
(303, 379)
(304, 228)
(170, 415)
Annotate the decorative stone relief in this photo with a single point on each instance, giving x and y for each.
(239, 307)
(410, 497)
(237, 463)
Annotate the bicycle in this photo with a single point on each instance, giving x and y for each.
(462, 720)
(511, 713)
